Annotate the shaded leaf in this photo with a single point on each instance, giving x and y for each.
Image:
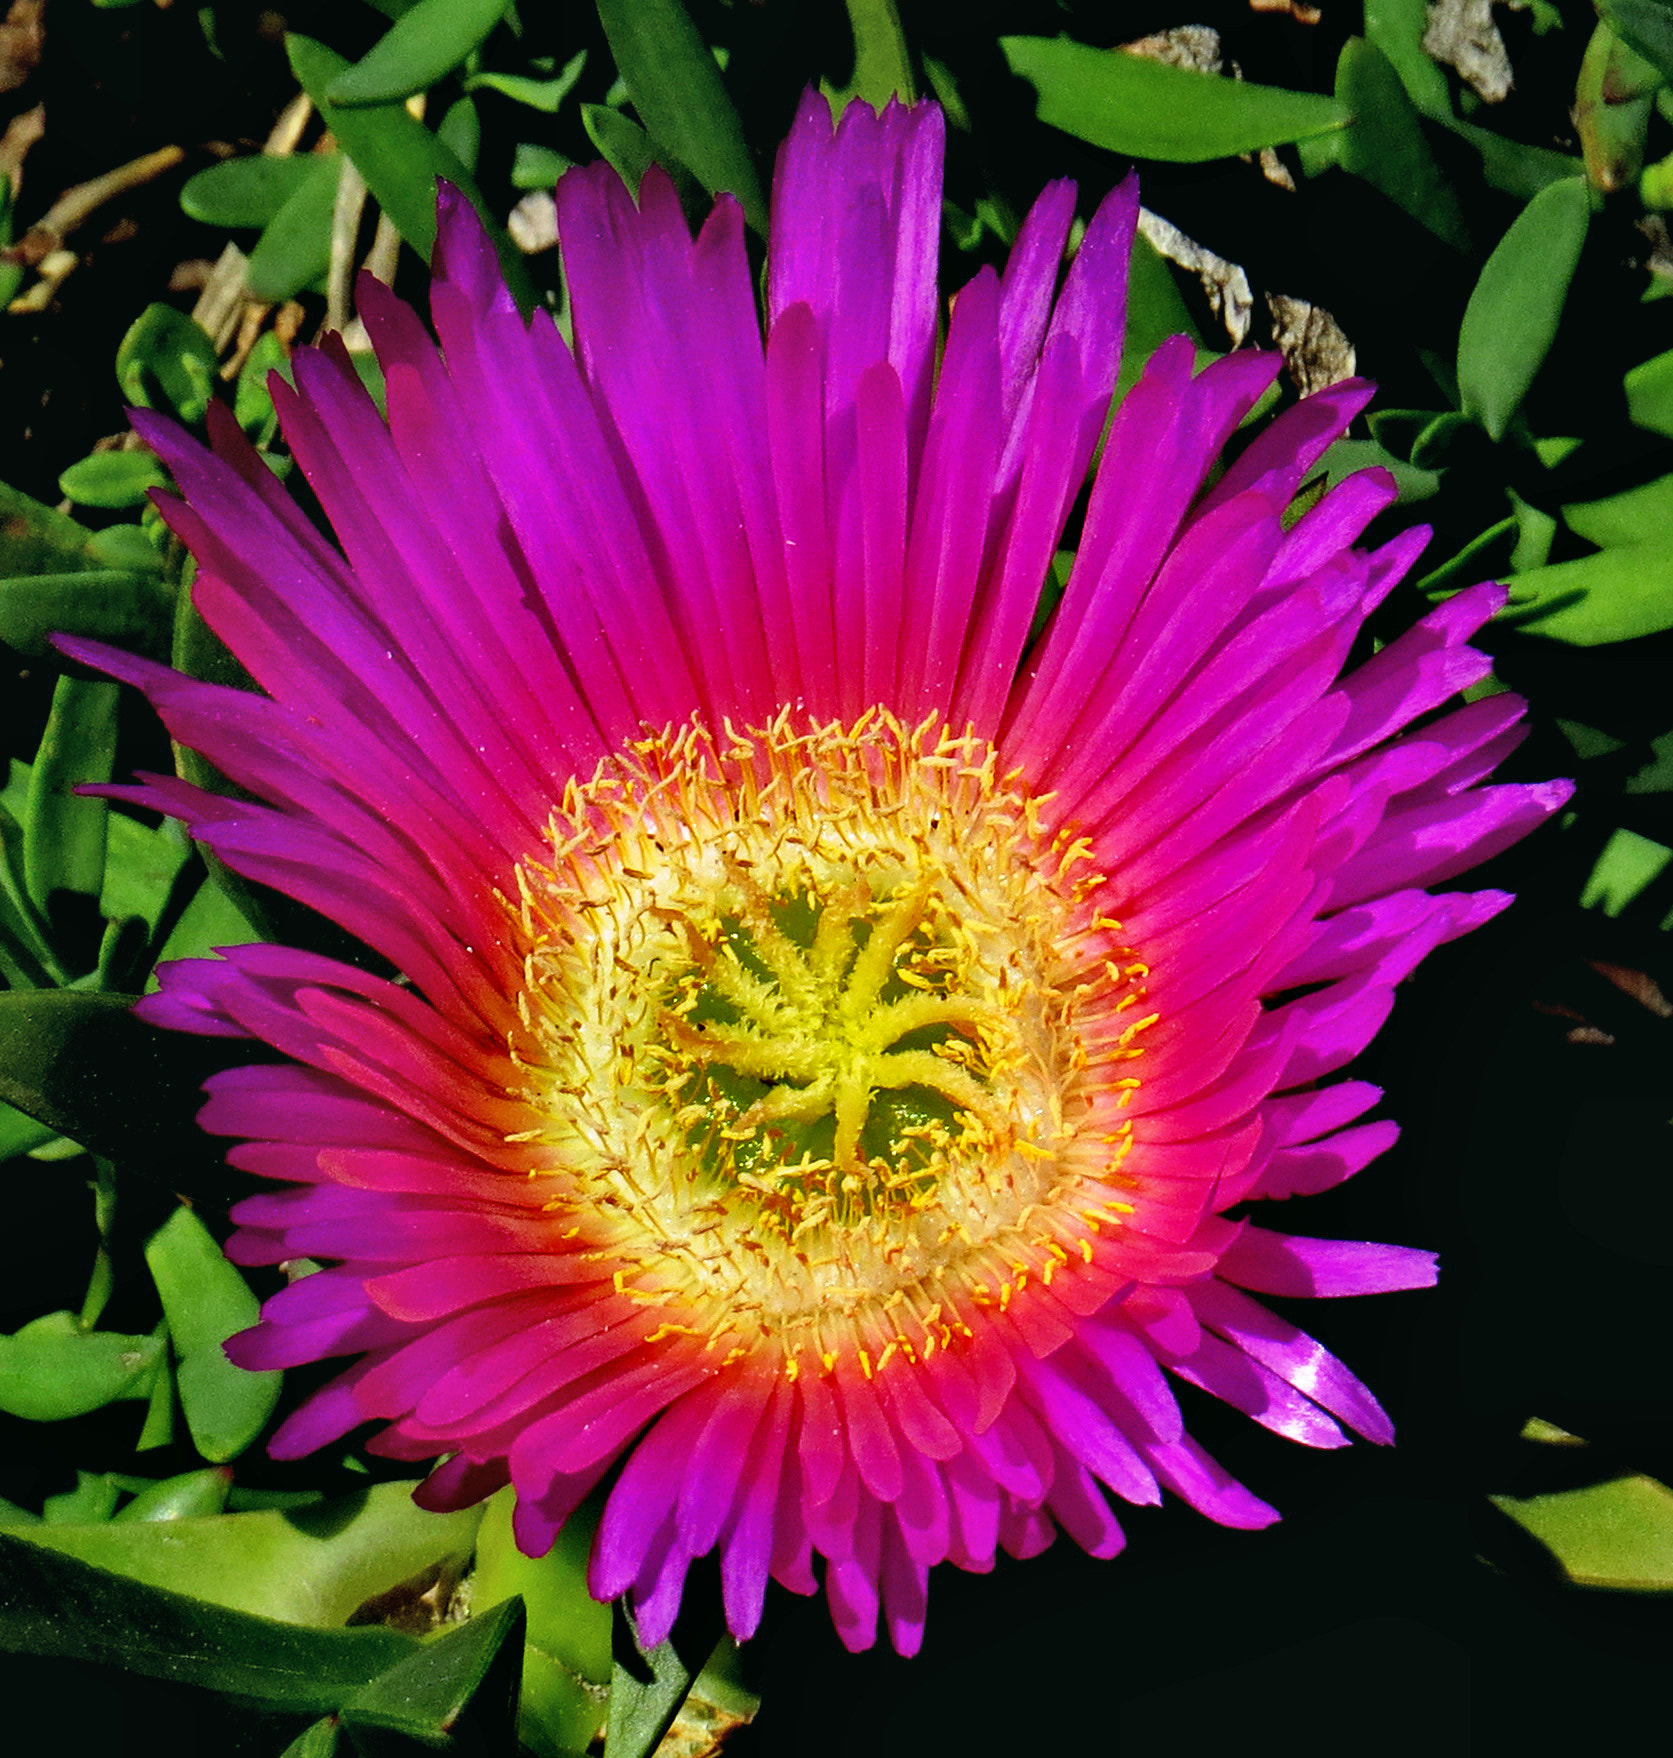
(1649, 389)
(53, 1369)
(245, 192)
(54, 1605)
(676, 87)
(37, 539)
(460, 1689)
(1512, 316)
(205, 1301)
(632, 152)
(1638, 515)
(647, 1686)
(460, 131)
(1131, 105)
(1386, 145)
(1628, 865)
(320, 1740)
(1647, 26)
(1397, 28)
(423, 45)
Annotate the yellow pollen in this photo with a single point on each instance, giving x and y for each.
(818, 1019)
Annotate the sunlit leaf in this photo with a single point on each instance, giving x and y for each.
(113, 479)
(206, 1300)
(882, 62)
(539, 94)
(188, 1495)
(681, 99)
(63, 831)
(1617, 1534)
(1513, 313)
(1397, 28)
(53, 1369)
(313, 1565)
(1615, 595)
(127, 609)
(425, 44)
(1128, 104)
(648, 1685)
(1628, 865)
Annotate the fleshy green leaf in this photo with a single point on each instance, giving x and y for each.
(630, 149)
(1512, 316)
(63, 831)
(676, 87)
(1649, 390)
(1131, 105)
(425, 44)
(206, 1300)
(1637, 515)
(295, 249)
(400, 159)
(1397, 28)
(113, 479)
(1386, 145)
(647, 1686)
(566, 1659)
(82, 1064)
(1647, 26)
(1617, 1534)
(252, 400)
(189, 1495)
(92, 1499)
(314, 1565)
(1628, 865)
(52, 1369)
(882, 62)
(56, 1606)
(1615, 595)
(166, 361)
(108, 604)
(320, 1740)
(461, 1687)
(245, 192)
(37, 539)
(460, 131)
(539, 94)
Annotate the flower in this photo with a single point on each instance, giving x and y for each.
(835, 1019)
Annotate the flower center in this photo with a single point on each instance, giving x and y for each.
(819, 1018)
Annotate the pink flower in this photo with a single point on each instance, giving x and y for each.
(835, 1025)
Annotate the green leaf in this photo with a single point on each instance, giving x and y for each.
(538, 167)
(1512, 316)
(400, 160)
(1649, 389)
(36, 539)
(566, 1658)
(539, 94)
(425, 44)
(295, 249)
(1130, 105)
(246, 192)
(64, 832)
(647, 1687)
(460, 131)
(113, 479)
(141, 866)
(92, 1499)
(252, 400)
(58, 1607)
(1617, 1534)
(52, 1369)
(206, 1300)
(1386, 145)
(319, 1740)
(1628, 865)
(107, 604)
(681, 99)
(1397, 28)
(18, 1133)
(882, 62)
(82, 1064)
(1637, 515)
(314, 1565)
(630, 150)
(1512, 168)
(1347, 456)
(130, 547)
(1647, 26)
(168, 357)
(460, 1689)
(1615, 595)
(189, 1495)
